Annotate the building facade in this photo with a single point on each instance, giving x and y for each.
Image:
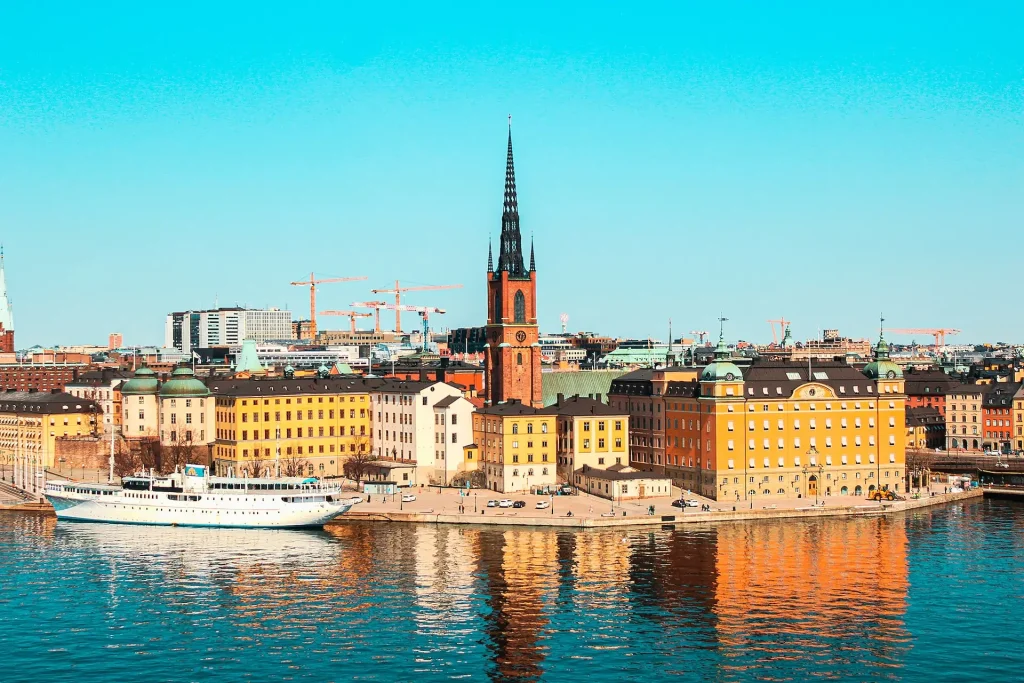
(928, 389)
(512, 354)
(41, 377)
(926, 428)
(588, 433)
(517, 447)
(997, 416)
(964, 417)
(104, 387)
(189, 330)
(779, 429)
(307, 426)
(32, 422)
(426, 423)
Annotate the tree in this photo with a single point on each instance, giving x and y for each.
(357, 465)
(294, 466)
(136, 456)
(256, 469)
(476, 479)
(178, 454)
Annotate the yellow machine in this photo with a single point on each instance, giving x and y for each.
(879, 494)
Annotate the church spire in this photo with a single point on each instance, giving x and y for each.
(510, 254)
(533, 262)
(490, 258)
(6, 313)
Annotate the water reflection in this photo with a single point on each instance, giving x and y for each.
(744, 601)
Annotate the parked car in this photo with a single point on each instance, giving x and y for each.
(566, 491)
(543, 505)
(505, 503)
(678, 503)
(492, 503)
(691, 503)
(519, 504)
(408, 497)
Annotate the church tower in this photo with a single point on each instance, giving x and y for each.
(512, 353)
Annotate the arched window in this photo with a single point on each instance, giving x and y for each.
(545, 470)
(529, 428)
(515, 428)
(529, 472)
(519, 359)
(519, 304)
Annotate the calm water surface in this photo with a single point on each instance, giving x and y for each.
(932, 596)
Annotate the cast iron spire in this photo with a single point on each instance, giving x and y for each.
(533, 262)
(490, 259)
(510, 255)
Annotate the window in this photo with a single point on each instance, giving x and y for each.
(519, 307)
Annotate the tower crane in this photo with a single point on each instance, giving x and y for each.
(352, 315)
(424, 313)
(312, 282)
(376, 306)
(781, 322)
(939, 333)
(701, 334)
(397, 291)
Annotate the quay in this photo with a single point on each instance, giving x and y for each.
(637, 516)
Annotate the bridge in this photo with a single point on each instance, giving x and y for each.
(953, 462)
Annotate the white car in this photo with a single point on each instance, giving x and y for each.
(408, 497)
(505, 503)
(692, 503)
(492, 503)
(543, 504)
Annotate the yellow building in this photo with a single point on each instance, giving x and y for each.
(31, 422)
(517, 446)
(304, 426)
(589, 433)
(782, 429)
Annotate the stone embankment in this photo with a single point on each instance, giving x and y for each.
(688, 517)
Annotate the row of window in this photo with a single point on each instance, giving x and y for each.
(230, 434)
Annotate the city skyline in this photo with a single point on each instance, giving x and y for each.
(663, 173)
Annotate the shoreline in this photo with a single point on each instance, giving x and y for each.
(866, 510)
(591, 522)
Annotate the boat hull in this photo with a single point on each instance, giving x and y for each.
(254, 514)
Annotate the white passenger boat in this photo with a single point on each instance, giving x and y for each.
(192, 498)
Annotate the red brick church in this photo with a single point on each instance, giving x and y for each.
(512, 353)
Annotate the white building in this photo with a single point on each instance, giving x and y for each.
(278, 356)
(99, 386)
(188, 330)
(423, 422)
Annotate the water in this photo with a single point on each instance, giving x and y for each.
(934, 595)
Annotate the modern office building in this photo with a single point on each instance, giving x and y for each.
(188, 330)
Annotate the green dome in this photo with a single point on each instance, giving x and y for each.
(722, 369)
(184, 384)
(882, 367)
(144, 382)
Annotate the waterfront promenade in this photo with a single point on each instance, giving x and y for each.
(432, 506)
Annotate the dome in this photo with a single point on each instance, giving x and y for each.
(144, 382)
(183, 383)
(721, 369)
(882, 367)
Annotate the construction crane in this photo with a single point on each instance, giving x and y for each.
(564, 319)
(701, 334)
(312, 282)
(352, 315)
(376, 306)
(939, 333)
(397, 291)
(781, 322)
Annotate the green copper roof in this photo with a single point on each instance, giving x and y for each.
(144, 382)
(722, 369)
(588, 383)
(184, 384)
(248, 360)
(882, 367)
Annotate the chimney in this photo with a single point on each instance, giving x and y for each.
(55, 390)
(559, 398)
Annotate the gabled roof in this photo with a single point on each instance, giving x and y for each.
(580, 406)
(509, 408)
(1000, 395)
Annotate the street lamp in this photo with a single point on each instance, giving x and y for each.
(812, 454)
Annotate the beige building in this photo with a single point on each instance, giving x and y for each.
(31, 423)
(621, 482)
(964, 417)
(588, 433)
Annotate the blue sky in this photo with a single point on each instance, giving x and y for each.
(674, 160)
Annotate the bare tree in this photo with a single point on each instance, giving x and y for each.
(256, 469)
(294, 466)
(357, 465)
(180, 453)
(476, 479)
